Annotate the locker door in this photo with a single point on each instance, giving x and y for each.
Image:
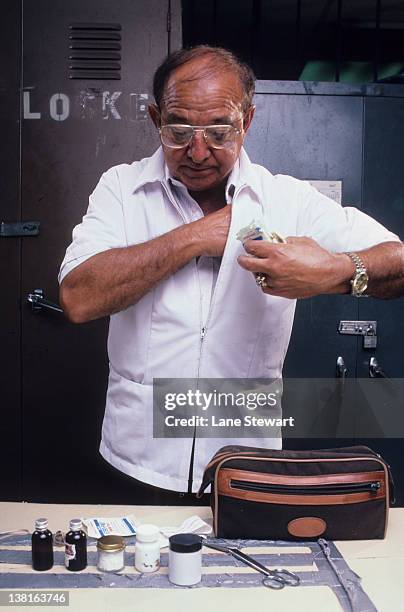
(74, 129)
(384, 198)
(313, 137)
(10, 256)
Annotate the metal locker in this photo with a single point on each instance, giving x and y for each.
(311, 134)
(10, 256)
(336, 131)
(86, 82)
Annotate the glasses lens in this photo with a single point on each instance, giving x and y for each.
(176, 135)
(220, 136)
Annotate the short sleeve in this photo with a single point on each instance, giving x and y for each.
(102, 227)
(335, 227)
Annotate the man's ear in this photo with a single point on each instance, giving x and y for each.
(154, 114)
(248, 117)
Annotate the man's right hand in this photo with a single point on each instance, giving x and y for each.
(210, 232)
(117, 278)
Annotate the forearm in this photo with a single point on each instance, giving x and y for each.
(385, 266)
(115, 279)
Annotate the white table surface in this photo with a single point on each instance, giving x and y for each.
(380, 563)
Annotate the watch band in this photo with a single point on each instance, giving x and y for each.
(360, 280)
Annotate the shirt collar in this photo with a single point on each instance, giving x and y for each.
(242, 174)
(231, 185)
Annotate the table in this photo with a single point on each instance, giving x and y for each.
(380, 563)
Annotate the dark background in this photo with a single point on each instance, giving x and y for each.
(321, 114)
(324, 40)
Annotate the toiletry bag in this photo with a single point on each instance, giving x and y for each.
(336, 493)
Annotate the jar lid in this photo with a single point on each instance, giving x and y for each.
(147, 533)
(111, 543)
(185, 542)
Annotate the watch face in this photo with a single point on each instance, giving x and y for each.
(360, 283)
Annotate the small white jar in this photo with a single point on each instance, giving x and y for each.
(147, 551)
(185, 559)
(111, 553)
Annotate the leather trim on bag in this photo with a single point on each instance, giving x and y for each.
(227, 474)
(307, 527)
(301, 500)
(225, 488)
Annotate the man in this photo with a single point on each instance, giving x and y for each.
(148, 254)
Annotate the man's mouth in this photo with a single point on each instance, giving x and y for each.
(197, 170)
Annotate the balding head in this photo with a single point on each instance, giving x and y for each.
(215, 61)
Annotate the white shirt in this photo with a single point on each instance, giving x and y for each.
(207, 267)
(246, 333)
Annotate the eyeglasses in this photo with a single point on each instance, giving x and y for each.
(177, 136)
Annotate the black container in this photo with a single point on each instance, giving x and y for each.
(76, 547)
(42, 546)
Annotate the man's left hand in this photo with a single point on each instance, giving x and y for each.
(300, 268)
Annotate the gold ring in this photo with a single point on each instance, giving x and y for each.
(261, 280)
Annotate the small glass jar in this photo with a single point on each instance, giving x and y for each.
(111, 553)
(42, 546)
(147, 551)
(76, 547)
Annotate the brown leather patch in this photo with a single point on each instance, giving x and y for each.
(307, 527)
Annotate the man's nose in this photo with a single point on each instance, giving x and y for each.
(198, 150)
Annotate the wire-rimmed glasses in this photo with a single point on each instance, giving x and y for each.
(217, 136)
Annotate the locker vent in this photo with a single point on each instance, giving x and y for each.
(95, 51)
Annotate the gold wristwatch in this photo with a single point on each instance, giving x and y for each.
(359, 283)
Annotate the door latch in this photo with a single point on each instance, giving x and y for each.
(375, 370)
(367, 329)
(19, 228)
(38, 302)
(341, 370)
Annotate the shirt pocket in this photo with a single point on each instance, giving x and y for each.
(128, 409)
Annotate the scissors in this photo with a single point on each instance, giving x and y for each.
(273, 579)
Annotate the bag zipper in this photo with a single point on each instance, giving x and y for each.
(324, 489)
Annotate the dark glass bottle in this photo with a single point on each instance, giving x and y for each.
(76, 547)
(42, 546)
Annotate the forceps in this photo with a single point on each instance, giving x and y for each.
(273, 579)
